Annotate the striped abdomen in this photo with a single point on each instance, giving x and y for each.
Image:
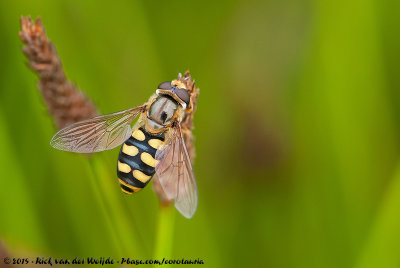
(136, 161)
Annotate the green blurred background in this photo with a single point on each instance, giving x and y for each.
(296, 132)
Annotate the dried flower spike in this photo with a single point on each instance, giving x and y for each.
(187, 122)
(64, 101)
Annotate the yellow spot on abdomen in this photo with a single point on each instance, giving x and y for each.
(134, 189)
(156, 143)
(148, 159)
(130, 150)
(139, 135)
(124, 167)
(140, 176)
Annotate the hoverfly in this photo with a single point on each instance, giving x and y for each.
(153, 147)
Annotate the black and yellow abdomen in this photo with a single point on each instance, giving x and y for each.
(136, 161)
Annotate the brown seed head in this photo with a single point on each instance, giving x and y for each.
(64, 101)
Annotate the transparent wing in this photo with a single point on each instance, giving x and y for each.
(175, 173)
(160, 191)
(97, 134)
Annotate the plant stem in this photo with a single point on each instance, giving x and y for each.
(165, 232)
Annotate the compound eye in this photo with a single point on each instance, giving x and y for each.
(183, 95)
(164, 85)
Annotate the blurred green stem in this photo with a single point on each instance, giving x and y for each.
(165, 231)
(123, 227)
